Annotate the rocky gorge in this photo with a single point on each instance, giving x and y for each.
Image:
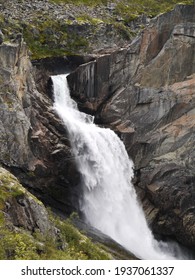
(143, 89)
(148, 99)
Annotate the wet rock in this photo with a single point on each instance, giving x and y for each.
(149, 101)
(159, 103)
(145, 92)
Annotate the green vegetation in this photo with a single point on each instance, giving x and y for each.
(130, 9)
(9, 187)
(85, 18)
(16, 243)
(79, 246)
(55, 38)
(50, 36)
(82, 2)
(149, 7)
(124, 31)
(17, 246)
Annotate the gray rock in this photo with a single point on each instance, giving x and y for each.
(22, 209)
(30, 132)
(1, 37)
(145, 92)
(148, 98)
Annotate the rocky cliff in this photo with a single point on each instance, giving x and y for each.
(33, 143)
(64, 27)
(29, 231)
(143, 91)
(146, 94)
(34, 147)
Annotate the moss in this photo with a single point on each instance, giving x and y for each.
(17, 243)
(76, 43)
(85, 18)
(81, 2)
(42, 40)
(51, 38)
(19, 246)
(47, 36)
(117, 251)
(31, 174)
(123, 30)
(54, 38)
(10, 187)
(138, 6)
(130, 9)
(80, 246)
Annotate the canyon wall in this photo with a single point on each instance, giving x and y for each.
(144, 92)
(33, 142)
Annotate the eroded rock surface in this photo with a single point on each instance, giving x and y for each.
(33, 142)
(149, 101)
(159, 107)
(145, 92)
(20, 208)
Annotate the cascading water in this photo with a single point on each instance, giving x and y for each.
(109, 200)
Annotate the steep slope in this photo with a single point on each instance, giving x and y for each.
(29, 231)
(61, 27)
(33, 146)
(146, 94)
(143, 90)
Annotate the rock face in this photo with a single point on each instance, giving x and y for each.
(92, 83)
(33, 143)
(13, 101)
(145, 92)
(53, 29)
(147, 96)
(28, 231)
(20, 208)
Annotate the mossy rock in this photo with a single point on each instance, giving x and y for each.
(63, 240)
(9, 187)
(48, 36)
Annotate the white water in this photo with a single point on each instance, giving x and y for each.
(109, 200)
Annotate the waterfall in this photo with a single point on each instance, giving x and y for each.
(109, 201)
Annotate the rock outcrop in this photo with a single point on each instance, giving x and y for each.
(20, 208)
(14, 102)
(93, 83)
(147, 96)
(53, 29)
(145, 92)
(33, 144)
(28, 231)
